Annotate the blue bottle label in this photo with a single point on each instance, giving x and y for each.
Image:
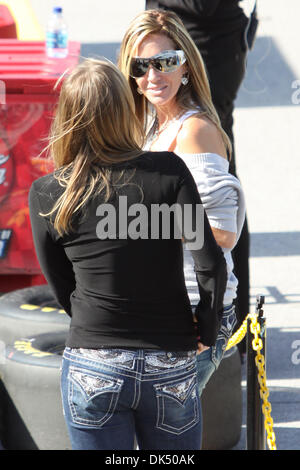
(57, 39)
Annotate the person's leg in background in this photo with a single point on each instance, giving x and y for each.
(209, 360)
(225, 79)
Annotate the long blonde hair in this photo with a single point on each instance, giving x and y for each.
(196, 94)
(95, 126)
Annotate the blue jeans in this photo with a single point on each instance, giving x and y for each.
(209, 360)
(109, 395)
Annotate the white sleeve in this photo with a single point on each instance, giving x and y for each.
(221, 192)
(220, 199)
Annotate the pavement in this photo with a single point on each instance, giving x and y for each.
(267, 117)
(266, 127)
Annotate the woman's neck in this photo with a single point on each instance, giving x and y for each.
(167, 114)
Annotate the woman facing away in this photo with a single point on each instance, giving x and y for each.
(129, 366)
(167, 77)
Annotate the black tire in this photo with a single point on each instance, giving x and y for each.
(31, 377)
(222, 404)
(33, 417)
(30, 311)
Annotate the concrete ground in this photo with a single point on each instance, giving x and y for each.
(266, 129)
(267, 117)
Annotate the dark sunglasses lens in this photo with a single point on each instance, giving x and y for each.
(165, 64)
(158, 64)
(139, 67)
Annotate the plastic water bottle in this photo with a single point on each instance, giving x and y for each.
(57, 35)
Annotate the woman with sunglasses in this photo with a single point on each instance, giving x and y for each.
(167, 77)
(129, 366)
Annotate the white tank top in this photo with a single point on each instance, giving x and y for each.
(170, 133)
(219, 192)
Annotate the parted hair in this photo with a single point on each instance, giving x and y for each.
(95, 126)
(196, 94)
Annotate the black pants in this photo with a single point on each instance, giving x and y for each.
(225, 79)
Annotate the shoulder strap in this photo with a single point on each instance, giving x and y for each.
(171, 132)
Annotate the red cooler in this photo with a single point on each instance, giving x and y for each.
(8, 28)
(27, 100)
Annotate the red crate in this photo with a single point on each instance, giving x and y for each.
(27, 100)
(8, 27)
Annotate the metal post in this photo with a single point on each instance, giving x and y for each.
(256, 434)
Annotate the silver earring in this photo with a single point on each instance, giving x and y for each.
(184, 80)
(139, 91)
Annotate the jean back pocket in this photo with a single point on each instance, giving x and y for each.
(178, 404)
(92, 396)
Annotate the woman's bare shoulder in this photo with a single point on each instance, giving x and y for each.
(200, 135)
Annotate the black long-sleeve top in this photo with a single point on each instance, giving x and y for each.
(121, 290)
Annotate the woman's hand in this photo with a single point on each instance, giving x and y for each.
(201, 348)
(224, 238)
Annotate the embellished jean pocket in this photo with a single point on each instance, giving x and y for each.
(226, 330)
(166, 361)
(178, 406)
(228, 322)
(92, 396)
(114, 357)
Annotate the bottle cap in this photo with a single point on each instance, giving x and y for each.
(57, 9)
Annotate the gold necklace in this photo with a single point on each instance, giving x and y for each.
(164, 126)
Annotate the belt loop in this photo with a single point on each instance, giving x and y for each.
(141, 354)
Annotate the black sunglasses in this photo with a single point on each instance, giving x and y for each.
(165, 62)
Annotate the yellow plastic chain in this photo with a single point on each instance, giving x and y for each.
(257, 346)
(239, 334)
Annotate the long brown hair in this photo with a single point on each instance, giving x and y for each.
(95, 126)
(196, 94)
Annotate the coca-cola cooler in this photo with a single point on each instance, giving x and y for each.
(27, 102)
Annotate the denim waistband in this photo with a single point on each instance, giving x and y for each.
(227, 309)
(112, 352)
(138, 360)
